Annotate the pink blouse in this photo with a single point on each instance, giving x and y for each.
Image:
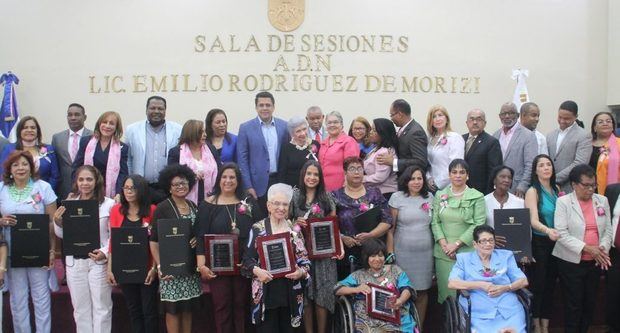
(590, 236)
(331, 158)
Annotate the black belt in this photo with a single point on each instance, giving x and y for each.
(81, 257)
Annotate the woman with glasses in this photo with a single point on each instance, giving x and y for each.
(351, 200)
(360, 131)
(491, 276)
(179, 295)
(199, 155)
(135, 211)
(334, 150)
(605, 158)
(583, 221)
(91, 295)
(457, 210)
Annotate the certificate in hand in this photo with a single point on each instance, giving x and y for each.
(378, 304)
(80, 225)
(175, 254)
(30, 241)
(368, 220)
(276, 254)
(323, 237)
(130, 246)
(514, 224)
(222, 253)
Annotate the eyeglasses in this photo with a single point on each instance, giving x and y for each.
(279, 204)
(356, 170)
(504, 114)
(588, 186)
(129, 188)
(180, 184)
(489, 241)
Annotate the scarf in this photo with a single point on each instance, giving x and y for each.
(113, 165)
(608, 164)
(206, 167)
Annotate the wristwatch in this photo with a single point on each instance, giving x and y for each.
(458, 243)
(199, 267)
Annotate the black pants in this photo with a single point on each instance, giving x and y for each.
(142, 305)
(262, 200)
(545, 274)
(277, 320)
(613, 291)
(579, 285)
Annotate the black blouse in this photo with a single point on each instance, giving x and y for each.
(292, 160)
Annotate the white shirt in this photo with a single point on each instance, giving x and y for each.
(562, 135)
(448, 147)
(542, 143)
(492, 204)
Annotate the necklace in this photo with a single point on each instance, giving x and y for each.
(19, 195)
(379, 273)
(233, 220)
(459, 193)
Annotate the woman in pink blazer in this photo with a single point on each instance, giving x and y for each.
(334, 150)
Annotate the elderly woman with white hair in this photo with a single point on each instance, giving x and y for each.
(277, 302)
(294, 154)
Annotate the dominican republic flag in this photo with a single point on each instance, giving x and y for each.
(520, 96)
(8, 110)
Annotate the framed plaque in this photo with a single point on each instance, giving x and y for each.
(368, 220)
(514, 224)
(222, 253)
(276, 254)
(377, 304)
(175, 254)
(80, 227)
(30, 241)
(323, 237)
(130, 246)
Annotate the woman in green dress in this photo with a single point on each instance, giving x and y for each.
(457, 210)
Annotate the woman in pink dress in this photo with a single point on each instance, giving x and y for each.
(334, 149)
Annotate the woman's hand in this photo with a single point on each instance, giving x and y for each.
(192, 242)
(8, 221)
(450, 250)
(150, 276)
(599, 255)
(58, 215)
(350, 241)
(262, 275)
(111, 279)
(97, 255)
(496, 290)
(206, 273)
(117, 198)
(363, 236)
(301, 222)
(553, 234)
(394, 303)
(52, 259)
(362, 289)
(296, 275)
(161, 277)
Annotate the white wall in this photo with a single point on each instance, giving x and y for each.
(55, 47)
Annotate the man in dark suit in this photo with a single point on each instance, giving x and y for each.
(258, 148)
(66, 145)
(412, 140)
(482, 151)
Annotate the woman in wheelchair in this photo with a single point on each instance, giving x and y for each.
(375, 271)
(492, 277)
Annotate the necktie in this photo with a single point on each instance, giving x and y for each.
(317, 137)
(470, 141)
(74, 146)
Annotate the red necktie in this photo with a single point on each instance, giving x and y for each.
(317, 137)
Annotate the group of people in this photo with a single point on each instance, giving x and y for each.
(436, 192)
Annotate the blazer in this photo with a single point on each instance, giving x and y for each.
(79, 161)
(576, 149)
(135, 136)
(331, 158)
(379, 175)
(412, 144)
(174, 154)
(60, 142)
(252, 154)
(522, 149)
(48, 164)
(468, 267)
(229, 149)
(483, 155)
(440, 155)
(571, 225)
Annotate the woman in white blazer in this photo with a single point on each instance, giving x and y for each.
(444, 146)
(583, 220)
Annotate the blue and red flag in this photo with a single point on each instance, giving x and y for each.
(8, 109)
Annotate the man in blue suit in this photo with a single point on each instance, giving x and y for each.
(258, 148)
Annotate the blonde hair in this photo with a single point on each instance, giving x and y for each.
(118, 132)
(429, 119)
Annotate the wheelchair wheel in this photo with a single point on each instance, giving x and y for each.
(344, 317)
(450, 317)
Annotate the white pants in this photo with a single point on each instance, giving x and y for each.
(21, 282)
(91, 295)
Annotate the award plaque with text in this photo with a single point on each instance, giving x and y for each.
(80, 227)
(222, 253)
(323, 237)
(377, 304)
(30, 241)
(514, 224)
(175, 254)
(368, 220)
(276, 254)
(130, 246)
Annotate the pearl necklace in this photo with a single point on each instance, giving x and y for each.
(459, 193)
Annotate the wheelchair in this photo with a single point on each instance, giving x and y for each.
(457, 320)
(344, 315)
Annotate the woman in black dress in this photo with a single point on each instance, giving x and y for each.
(296, 153)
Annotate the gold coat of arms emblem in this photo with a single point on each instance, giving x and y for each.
(286, 15)
(175, 230)
(29, 225)
(80, 211)
(130, 238)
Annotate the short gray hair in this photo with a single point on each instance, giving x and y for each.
(335, 114)
(313, 109)
(280, 188)
(484, 116)
(295, 122)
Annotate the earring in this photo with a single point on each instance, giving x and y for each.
(11, 176)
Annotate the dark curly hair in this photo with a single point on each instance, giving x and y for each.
(403, 180)
(12, 158)
(239, 191)
(176, 170)
(371, 247)
(142, 191)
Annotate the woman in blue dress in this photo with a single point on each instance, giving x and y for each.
(492, 277)
(30, 139)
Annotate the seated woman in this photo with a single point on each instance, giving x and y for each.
(375, 271)
(491, 276)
